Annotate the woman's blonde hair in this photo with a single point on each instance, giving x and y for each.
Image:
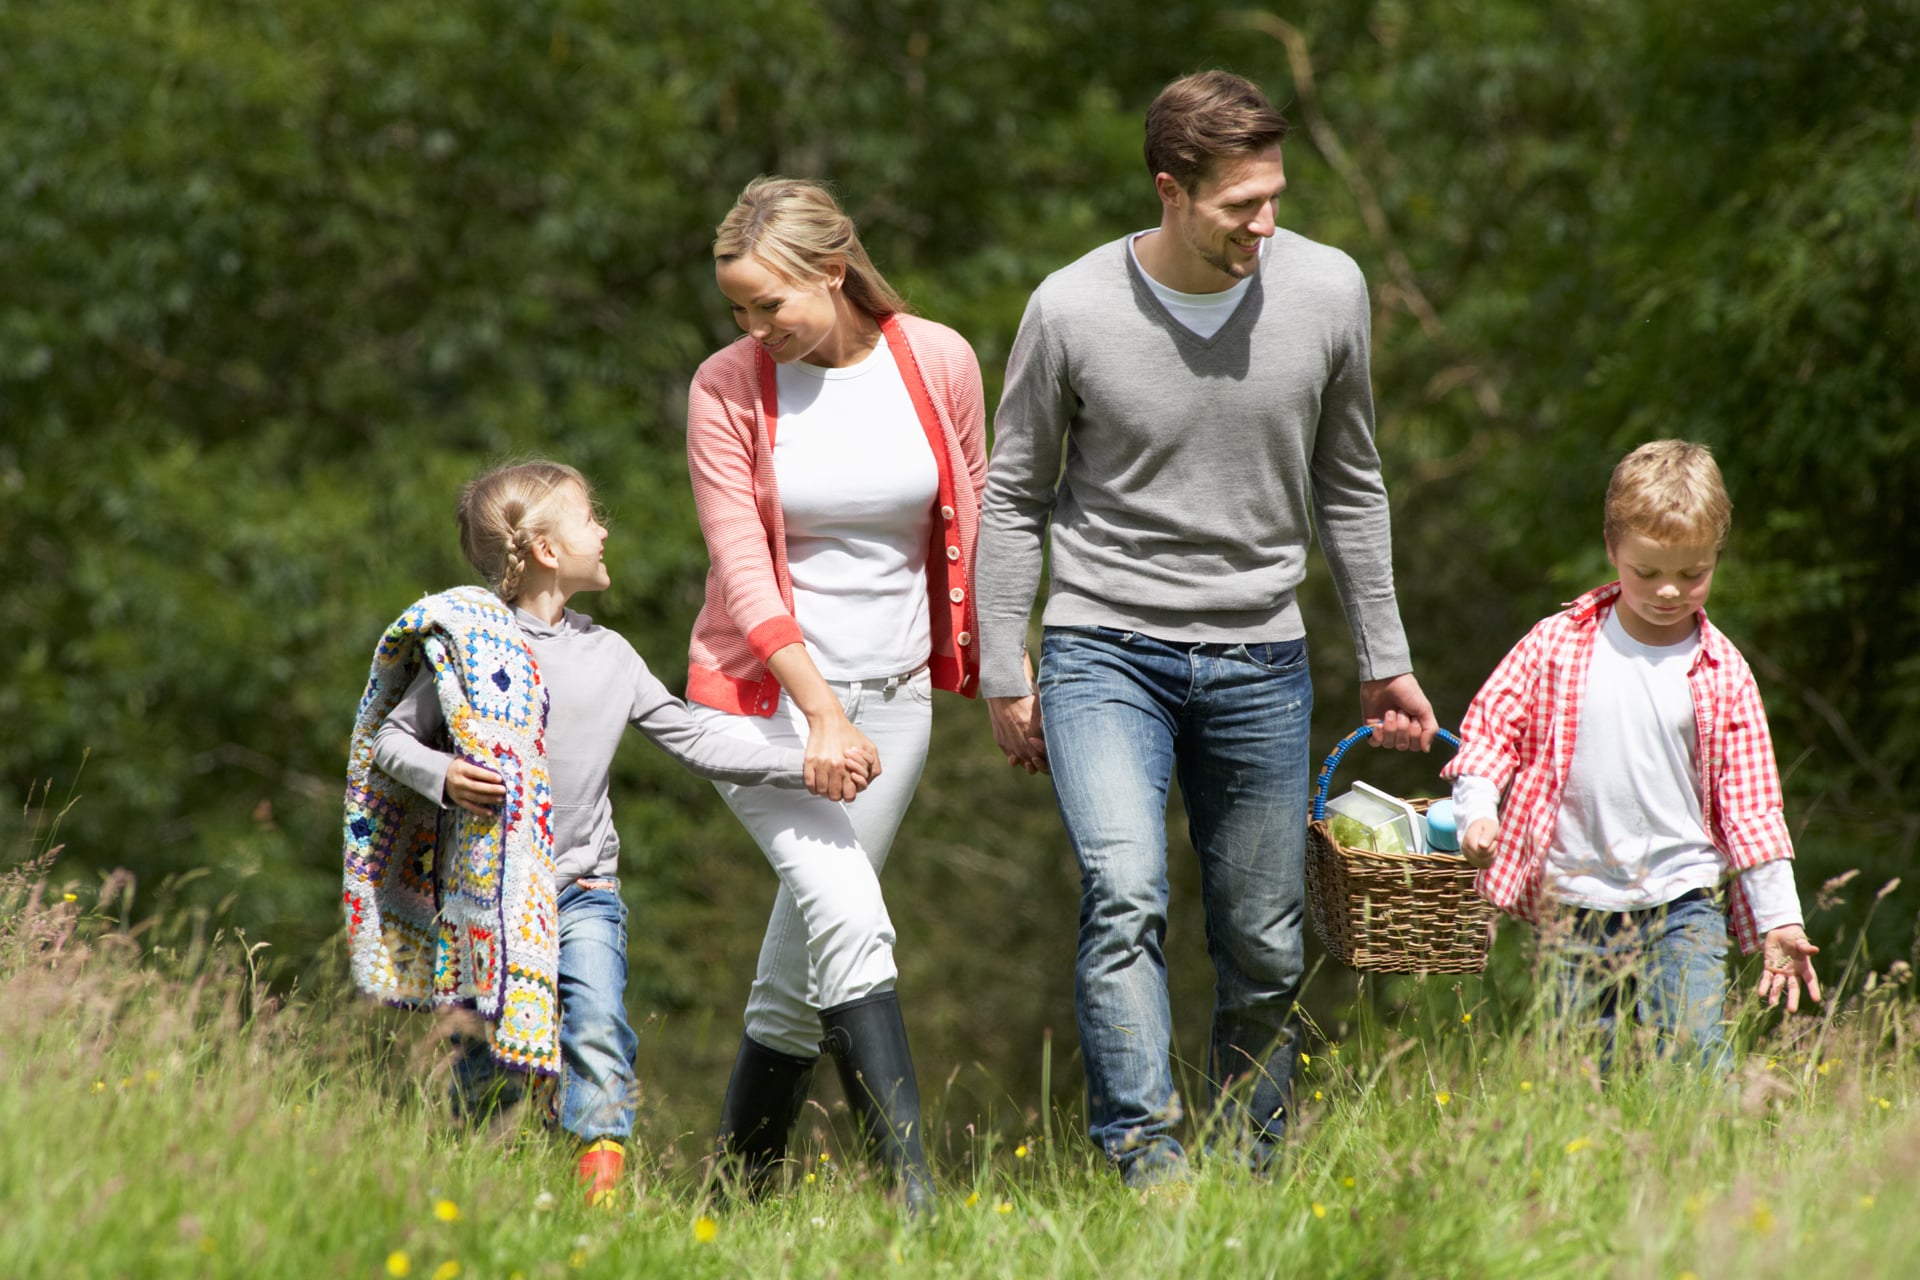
(1669, 491)
(503, 511)
(798, 230)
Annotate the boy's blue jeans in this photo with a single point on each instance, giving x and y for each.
(1666, 967)
(1122, 712)
(597, 1047)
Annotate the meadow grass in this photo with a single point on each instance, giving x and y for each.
(162, 1115)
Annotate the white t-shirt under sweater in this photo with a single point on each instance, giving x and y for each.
(1202, 313)
(1630, 833)
(858, 482)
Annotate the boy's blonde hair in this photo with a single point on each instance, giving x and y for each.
(798, 230)
(502, 512)
(1669, 491)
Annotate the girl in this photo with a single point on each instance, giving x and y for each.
(512, 720)
(837, 457)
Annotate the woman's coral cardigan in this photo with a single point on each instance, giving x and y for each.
(731, 426)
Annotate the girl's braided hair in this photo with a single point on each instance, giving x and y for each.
(503, 511)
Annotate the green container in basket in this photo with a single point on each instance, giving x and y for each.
(1395, 912)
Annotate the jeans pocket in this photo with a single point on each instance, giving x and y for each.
(1280, 657)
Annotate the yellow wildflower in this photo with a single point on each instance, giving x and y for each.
(825, 1158)
(705, 1229)
(1020, 1152)
(1761, 1219)
(1347, 1183)
(1866, 1202)
(577, 1259)
(399, 1264)
(99, 1086)
(1443, 1097)
(812, 1178)
(1465, 1018)
(1004, 1207)
(1882, 1103)
(973, 1199)
(446, 1211)
(1306, 1060)
(1526, 1086)
(1319, 1210)
(70, 897)
(446, 1270)
(1578, 1145)
(1319, 1096)
(1825, 1066)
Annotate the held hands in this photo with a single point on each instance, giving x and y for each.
(1398, 713)
(473, 788)
(1787, 963)
(1477, 841)
(841, 761)
(1017, 729)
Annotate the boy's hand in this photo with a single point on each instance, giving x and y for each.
(1787, 963)
(1477, 841)
(473, 788)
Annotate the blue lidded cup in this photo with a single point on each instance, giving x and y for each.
(1443, 835)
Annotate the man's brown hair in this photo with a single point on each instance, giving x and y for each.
(1208, 114)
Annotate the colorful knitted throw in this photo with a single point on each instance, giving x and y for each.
(445, 907)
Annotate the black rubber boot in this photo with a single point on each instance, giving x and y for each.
(868, 1040)
(764, 1099)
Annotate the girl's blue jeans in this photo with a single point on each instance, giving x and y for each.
(1665, 967)
(597, 1046)
(1123, 713)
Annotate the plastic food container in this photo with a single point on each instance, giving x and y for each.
(1370, 819)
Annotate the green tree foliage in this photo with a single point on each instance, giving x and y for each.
(275, 279)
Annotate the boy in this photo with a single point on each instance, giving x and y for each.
(1630, 740)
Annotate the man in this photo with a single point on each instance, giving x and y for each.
(1205, 385)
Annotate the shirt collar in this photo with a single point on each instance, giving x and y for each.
(1591, 609)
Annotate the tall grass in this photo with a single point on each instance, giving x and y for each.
(163, 1115)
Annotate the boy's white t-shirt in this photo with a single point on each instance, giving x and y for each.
(1630, 833)
(858, 482)
(1203, 313)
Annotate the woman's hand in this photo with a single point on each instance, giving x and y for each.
(473, 788)
(1477, 842)
(841, 760)
(1787, 963)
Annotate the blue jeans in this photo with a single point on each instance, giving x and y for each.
(1666, 967)
(1121, 712)
(597, 1047)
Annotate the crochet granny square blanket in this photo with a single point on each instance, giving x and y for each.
(444, 906)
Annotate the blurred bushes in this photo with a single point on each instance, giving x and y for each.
(278, 278)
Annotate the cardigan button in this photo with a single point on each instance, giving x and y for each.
(946, 513)
(956, 595)
(953, 553)
(964, 639)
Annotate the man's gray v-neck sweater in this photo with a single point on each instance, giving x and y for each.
(1182, 475)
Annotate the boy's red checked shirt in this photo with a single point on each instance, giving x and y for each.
(1521, 727)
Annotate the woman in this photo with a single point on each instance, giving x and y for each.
(837, 453)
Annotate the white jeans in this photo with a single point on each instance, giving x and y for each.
(829, 939)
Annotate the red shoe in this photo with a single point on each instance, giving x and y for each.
(600, 1168)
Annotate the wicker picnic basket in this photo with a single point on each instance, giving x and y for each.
(1392, 912)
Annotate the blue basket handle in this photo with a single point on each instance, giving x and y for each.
(1333, 762)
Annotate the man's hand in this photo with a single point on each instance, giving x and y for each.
(1477, 841)
(473, 788)
(1016, 727)
(1400, 715)
(1787, 963)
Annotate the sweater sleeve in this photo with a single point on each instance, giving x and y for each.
(400, 747)
(667, 722)
(1350, 499)
(1029, 436)
(721, 458)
